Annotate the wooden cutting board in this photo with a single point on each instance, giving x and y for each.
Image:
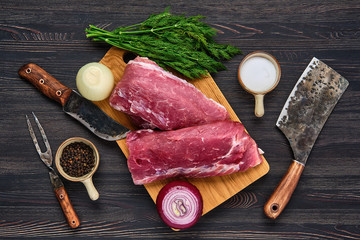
(214, 190)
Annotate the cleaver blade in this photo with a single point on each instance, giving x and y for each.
(303, 116)
(83, 110)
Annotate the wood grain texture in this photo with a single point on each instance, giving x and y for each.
(326, 202)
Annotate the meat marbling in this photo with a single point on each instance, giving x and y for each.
(218, 148)
(156, 98)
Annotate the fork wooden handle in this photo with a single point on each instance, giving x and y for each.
(68, 210)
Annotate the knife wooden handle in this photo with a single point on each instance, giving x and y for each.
(282, 194)
(46, 83)
(67, 207)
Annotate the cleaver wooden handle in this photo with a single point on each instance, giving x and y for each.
(282, 194)
(46, 83)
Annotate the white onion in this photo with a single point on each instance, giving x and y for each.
(95, 81)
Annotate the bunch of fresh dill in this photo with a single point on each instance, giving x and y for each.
(182, 43)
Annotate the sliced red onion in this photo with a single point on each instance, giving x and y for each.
(179, 204)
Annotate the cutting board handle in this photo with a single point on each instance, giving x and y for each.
(282, 194)
(46, 83)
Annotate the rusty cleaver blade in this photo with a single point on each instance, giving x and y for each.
(301, 120)
(83, 110)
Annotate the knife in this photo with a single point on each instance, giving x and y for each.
(303, 116)
(74, 104)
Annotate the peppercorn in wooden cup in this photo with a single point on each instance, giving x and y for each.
(77, 159)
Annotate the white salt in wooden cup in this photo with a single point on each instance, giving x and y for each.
(259, 73)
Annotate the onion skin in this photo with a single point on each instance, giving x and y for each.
(179, 204)
(95, 81)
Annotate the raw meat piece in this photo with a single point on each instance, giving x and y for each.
(212, 149)
(158, 99)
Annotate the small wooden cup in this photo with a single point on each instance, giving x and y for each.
(259, 96)
(85, 179)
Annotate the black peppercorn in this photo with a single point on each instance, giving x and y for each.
(77, 159)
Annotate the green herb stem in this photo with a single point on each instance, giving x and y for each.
(184, 44)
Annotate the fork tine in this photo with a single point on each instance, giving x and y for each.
(32, 134)
(48, 149)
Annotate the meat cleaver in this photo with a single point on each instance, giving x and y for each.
(301, 120)
(74, 104)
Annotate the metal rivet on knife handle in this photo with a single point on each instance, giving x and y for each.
(46, 83)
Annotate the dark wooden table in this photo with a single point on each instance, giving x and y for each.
(326, 203)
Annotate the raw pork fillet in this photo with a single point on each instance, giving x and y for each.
(212, 149)
(156, 98)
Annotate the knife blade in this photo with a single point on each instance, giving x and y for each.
(301, 120)
(83, 110)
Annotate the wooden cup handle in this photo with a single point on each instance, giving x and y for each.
(68, 210)
(282, 194)
(46, 83)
